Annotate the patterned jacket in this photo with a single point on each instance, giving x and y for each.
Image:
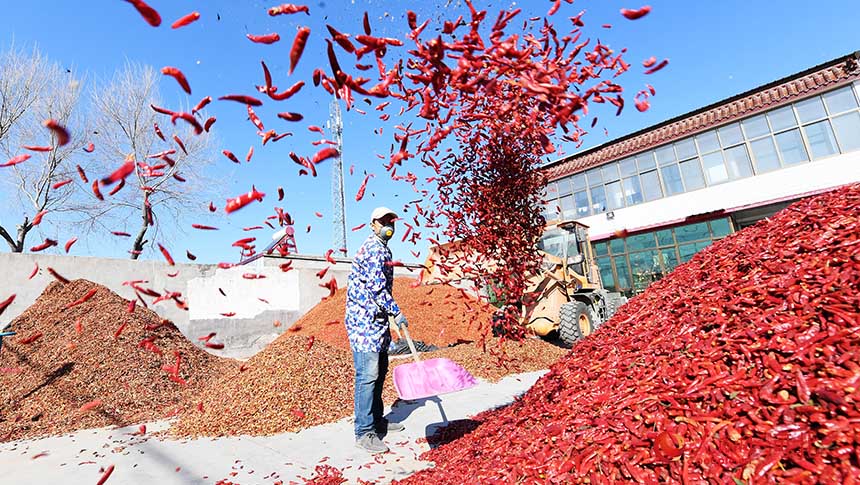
(368, 297)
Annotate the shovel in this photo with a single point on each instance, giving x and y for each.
(431, 377)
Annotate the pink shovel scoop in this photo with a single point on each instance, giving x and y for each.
(431, 377)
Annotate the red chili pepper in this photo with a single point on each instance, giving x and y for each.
(264, 39)
(152, 18)
(175, 73)
(185, 20)
(243, 200)
(635, 14)
(241, 98)
(288, 8)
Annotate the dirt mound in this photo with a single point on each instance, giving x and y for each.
(94, 364)
(739, 367)
(438, 314)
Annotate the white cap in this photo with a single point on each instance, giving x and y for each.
(381, 212)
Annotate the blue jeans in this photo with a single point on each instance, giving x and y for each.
(370, 371)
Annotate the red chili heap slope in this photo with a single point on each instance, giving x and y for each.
(739, 367)
(437, 314)
(94, 364)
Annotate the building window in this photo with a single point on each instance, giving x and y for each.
(691, 172)
(738, 162)
(567, 209)
(580, 200)
(672, 179)
(822, 143)
(810, 110)
(764, 152)
(598, 199)
(840, 100)
(848, 131)
(630, 264)
(782, 118)
(715, 169)
(632, 190)
(730, 135)
(614, 196)
(651, 189)
(791, 147)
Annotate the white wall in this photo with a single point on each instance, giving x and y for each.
(780, 184)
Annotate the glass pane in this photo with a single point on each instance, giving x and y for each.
(821, 140)
(782, 118)
(645, 267)
(672, 179)
(598, 200)
(664, 237)
(715, 169)
(692, 232)
(623, 271)
(764, 152)
(848, 131)
(651, 186)
(564, 186)
(685, 149)
(708, 142)
(692, 173)
(601, 249)
(731, 135)
(605, 266)
(840, 100)
(755, 126)
(627, 167)
(594, 177)
(578, 181)
(791, 147)
(720, 228)
(645, 161)
(580, 200)
(687, 251)
(670, 259)
(665, 155)
(610, 172)
(738, 162)
(641, 241)
(551, 191)
(810, 109)
(614, 196)
(617, 246)
(567, 209)
(632, 190)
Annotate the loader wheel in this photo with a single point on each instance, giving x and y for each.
(574, 322)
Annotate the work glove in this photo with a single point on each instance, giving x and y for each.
(400, 320)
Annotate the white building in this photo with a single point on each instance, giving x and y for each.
(653, 198)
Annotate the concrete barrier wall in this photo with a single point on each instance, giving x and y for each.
(240, 309)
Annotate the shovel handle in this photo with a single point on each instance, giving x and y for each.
(408, 338)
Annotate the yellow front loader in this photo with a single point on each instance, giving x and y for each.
(565, 298)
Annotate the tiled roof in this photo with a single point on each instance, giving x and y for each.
(820, 78)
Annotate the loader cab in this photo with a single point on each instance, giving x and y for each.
(567, 242)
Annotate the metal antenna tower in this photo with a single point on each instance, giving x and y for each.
(335, 124)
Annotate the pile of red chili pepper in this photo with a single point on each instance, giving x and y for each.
(741, 366)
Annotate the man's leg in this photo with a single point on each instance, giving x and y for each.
(366, 375)
(378, 406)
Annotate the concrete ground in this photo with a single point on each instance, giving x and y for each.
(289, 457)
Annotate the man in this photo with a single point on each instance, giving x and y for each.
(369, 304)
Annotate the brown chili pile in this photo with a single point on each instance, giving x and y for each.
(94, 364)
(438, 314)
(742, 366)
(288, 386)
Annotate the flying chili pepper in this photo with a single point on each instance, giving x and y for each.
(231, 156)
(96, 190)
(241, 98)
(45, 245)
(280, 194)
(109, 469)
(69, 243)
(324, 154)
(264, 39)
(366, 22)
(38, 217)
(299, 43)
(290, 116)
(360, 194)
(82, 299)
(119, 174)
(635, 14)
(33, 148)
(216, 346)
(243, 200)
(158, 132)
(152, 18)
(181, 145)
(205, 228)
(166, 254)
(16, 160)
(5, 303)
(185, 20)
(202, 104)
(89, 148)
(288, 8)
(175, 73)
(209, 123)
(659, 66)
(190, 256)
(61, 184)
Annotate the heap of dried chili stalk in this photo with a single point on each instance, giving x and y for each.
(742, 366)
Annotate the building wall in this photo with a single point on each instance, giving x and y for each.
(288, 295)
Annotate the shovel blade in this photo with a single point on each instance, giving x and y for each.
(431, 377)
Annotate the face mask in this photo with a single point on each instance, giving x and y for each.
(386, 232)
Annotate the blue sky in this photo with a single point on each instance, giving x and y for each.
(716, 49)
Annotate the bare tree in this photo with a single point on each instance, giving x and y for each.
(32, 90)
(163, 191)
